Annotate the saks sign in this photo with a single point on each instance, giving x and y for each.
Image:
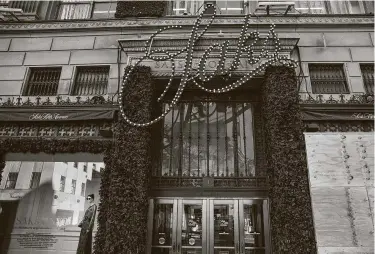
(199, 70)
(47, 116)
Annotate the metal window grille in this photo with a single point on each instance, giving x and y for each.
(43, 81)
(368, 77)
(73, 9)
(62, 183)
(91, 80)
(83, 188)
(208, 139)
(11, 181)
(35, 180)
(73, 187)
(328, 79)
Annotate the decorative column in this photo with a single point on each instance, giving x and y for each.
(129, 162)
(292, 228)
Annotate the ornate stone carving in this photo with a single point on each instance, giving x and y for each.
(186, 21)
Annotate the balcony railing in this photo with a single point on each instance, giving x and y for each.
(352, 98)
(63, 100)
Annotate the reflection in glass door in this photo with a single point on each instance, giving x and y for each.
(191, 227)
(252, 224)
(163, 222)
(223, 227)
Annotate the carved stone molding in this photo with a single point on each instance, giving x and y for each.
(139, 23)
(176, 44)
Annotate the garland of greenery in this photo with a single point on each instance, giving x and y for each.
(292, 228)
(140, 9)
(129, 162)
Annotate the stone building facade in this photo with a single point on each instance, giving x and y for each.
(61, 69)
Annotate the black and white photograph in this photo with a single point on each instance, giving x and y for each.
(187, 127)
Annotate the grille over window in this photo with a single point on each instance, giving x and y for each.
(208, 139)
(43, 82)
(328, 79)
(92, 80)
(368, 77)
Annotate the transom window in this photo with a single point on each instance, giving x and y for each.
(208, 139)
(328, 79)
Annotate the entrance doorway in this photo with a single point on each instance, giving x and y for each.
(208, 226)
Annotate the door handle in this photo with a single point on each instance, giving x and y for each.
(243, 248)
(174, 248)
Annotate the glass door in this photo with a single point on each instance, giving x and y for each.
(208, 226)
(252, 226)
(223, 227)
(191, 227)
(162, 225)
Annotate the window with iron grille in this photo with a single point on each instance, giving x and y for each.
(368, 77)
(73, 187)
(208, 139)
(62, 183)
(91, 80)
(43, 81)
(328, 79)
(11, 181)
(35, 179)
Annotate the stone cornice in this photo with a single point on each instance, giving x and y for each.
(137, 23)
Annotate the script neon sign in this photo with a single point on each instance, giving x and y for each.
(200, 76)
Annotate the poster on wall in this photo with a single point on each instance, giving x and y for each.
(48, 206)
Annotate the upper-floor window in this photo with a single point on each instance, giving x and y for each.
(368, 77)
(42, 81)
(233, 7)
(35, 180)
(83, 188)
(62, 183)
(91, 80)
(11, 181)
(350, 7)
(73, 187)
(228, 7)
(328, 78)
(86, 9)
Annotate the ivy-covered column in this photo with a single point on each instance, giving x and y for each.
(104, 204)
(292, 229)
(129, 163)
